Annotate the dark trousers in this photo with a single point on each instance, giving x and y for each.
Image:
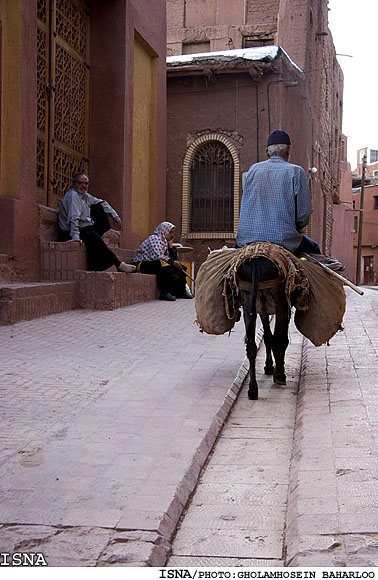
(99, 256)
(307, 246)
(169, 279)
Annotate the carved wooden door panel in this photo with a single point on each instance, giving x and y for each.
(63, 95)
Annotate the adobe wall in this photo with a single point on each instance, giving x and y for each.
(112, 106)
(301, 28)
(111, 121)
(343, 216)
(18, 209)
(219, 22)
(288, 23)
(370, 225)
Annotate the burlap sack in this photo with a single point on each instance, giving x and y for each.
(319, 298)
(210, 303)
(323, 318)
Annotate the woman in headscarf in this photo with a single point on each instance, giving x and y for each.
(156, 255)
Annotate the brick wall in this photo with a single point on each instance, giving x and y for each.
(28, 301)
(301, 28)
(60, 260)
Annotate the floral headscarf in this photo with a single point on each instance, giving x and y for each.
(156, 246)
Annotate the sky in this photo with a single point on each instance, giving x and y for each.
(354, 27)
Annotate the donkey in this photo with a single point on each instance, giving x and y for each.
(262, 291)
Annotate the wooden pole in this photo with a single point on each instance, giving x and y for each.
(336, 275)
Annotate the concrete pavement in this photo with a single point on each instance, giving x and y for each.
(293, 478)
(108, 417)
(237, 515)
(333, 499)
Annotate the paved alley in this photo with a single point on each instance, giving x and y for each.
(108, 419)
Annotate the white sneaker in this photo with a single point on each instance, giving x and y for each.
(126, 268)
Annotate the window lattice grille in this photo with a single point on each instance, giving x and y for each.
(212, 192)
(42, 11)
(63, 101)
(41, 79)
(71, 26)
(70, 100)
(41, 170)
(65, 166)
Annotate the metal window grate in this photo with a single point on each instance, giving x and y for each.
(212, 194)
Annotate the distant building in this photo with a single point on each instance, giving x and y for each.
(343, 218)
(222, 104)
(369, 244)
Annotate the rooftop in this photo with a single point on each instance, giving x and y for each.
(266, 54)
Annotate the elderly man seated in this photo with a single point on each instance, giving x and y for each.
(85, 218)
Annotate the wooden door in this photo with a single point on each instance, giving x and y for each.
(368, 270)
(63, 76)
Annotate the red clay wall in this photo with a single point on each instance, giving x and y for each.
(113, 24)
(301, 28)
(342, 240)
(18, 209)
(369, 228)
(112, 71)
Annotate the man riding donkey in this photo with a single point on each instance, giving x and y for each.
(264, 274)
(276, 205)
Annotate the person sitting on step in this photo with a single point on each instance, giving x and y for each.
(156, 255)
(85, 218)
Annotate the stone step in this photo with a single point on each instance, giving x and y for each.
(110, 290)
(60, 260)
(90, 290)
(25, 301)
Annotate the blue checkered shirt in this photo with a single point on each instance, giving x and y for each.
(276, 204)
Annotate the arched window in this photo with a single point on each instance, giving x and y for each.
(210, 188)
(212, 191)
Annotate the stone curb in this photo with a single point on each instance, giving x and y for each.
(303, 528)
(141, 548)
(186, 487)
(161, 549)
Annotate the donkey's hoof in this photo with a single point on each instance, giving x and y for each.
(279, 379)
(253, 394)
(269, 369)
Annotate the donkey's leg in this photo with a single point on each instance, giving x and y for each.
(269, 367)
(251, 348)
(280, 341)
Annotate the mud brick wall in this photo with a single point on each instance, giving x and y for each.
(223, 24)
(110, 290)
(60, 260)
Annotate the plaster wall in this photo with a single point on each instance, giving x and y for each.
(114, 24)
(18, 209)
